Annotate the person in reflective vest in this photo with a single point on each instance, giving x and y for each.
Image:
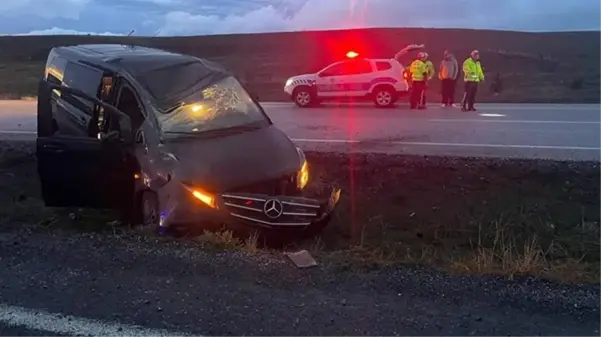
(430, 72)
(472, 75)
(419, 75)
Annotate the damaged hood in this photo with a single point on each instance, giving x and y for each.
(231, 161)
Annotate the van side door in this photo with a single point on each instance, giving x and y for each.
(82, 170)
(74, 114)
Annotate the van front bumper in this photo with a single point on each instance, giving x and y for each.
(258, 211)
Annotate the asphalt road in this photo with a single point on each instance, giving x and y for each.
(552, 131)
(98, 285)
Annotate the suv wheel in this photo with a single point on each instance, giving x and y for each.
(303, 97)
(384, 97)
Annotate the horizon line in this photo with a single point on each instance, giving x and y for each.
(110, 34)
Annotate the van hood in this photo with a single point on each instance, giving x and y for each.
(229, 162)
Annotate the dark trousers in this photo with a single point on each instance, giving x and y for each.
(417, 93)
(469, 97)
(422, 101)
(448, 91)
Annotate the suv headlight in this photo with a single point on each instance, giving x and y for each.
(302, 176)
(289, 82)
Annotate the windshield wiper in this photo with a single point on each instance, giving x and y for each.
(217, 132)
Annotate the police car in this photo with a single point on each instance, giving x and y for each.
(379, 80)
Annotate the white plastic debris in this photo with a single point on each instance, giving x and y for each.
(302, 259)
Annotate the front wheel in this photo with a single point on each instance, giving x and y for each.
(384, 98)
(303, 97)
(149, 212)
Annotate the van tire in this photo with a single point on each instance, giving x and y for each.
(303, 97)
(384, 97)
(147, 212)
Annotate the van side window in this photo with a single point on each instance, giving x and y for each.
(85, 79)
(53, 79)
(129, 104)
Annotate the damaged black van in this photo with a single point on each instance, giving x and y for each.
(169, 139)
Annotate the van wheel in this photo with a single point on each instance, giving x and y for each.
(303, 97)
(384, 97)
(149, 212)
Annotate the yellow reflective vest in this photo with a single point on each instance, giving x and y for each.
(430, 68)
(472, 71)
(418, 69)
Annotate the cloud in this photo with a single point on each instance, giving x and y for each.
(337, 14)
(61, 31)
(68, 9)
(189, 17)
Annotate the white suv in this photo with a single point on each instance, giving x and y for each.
(380, 80)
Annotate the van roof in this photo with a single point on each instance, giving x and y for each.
(166, 75)
(136, 60)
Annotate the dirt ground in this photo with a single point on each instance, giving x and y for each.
(533, 67)
(462, 214)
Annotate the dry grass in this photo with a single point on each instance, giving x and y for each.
(534, 67)
(505, 255)
(463, 215)
(226, 240)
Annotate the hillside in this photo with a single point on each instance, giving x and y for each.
(534, 67)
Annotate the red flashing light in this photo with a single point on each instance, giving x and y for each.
(351, 54)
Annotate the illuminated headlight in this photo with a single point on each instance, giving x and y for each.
(302, 176)
(289, 82)
(204, 196)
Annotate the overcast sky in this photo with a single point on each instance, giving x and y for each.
(192, 17)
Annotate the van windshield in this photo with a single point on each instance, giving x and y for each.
(222, 105)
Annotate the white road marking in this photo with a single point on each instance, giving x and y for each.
(72, 326)
(498, 146)
(10, 132)
(492, 115)
(451, 120)
(509, 106)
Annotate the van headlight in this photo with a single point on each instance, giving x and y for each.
(202, 195)
(302, 176)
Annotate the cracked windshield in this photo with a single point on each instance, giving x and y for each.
(300, 168)
(224, 104)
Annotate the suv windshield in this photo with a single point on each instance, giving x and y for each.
(222, 105)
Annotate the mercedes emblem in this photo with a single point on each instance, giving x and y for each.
(273, 208)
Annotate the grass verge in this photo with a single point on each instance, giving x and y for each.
(520, 67)
(466, 215)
